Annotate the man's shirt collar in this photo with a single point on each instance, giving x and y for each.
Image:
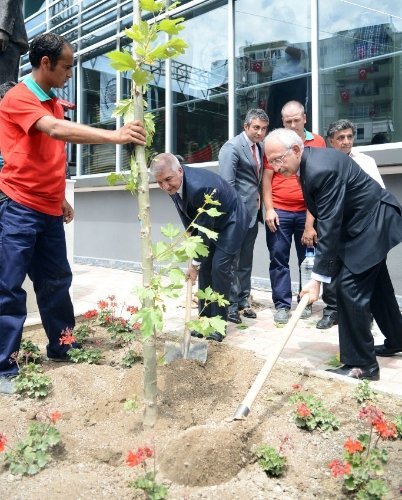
(37, 90)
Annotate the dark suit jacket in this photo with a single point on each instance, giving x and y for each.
(358, 222)
(232, 226)
(238, 167)
(12, 22)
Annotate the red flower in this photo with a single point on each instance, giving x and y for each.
(123, 322)
(3, 441)
(338, 468)
(296, 387)
(67, 337)
(132, 309)
(303, 410)
(137, 326)
(103, 304)
(372, 414)
(386, 430)
(353, 446)
(93, 313)
(55, 416)
(139, 456)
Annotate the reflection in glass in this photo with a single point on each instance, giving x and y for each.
(199, 83)
(272, 51)
(360, 58)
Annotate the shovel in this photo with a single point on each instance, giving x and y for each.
(244, 408)
(187, 350)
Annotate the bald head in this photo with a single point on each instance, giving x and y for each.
(294, 117)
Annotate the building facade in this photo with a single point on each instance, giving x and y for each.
(340, 58)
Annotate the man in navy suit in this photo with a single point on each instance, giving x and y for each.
(241, 165)
(358, 222)
(187, 187)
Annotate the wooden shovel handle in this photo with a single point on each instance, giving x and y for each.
(187, 335)
(244, 408)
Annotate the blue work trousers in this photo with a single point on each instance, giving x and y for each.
(32, 243)
(291, 225)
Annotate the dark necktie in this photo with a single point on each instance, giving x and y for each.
(254, 150)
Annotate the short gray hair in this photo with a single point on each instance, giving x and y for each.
(255, 114)
(286, 137)
(162, 161)
(340, 125)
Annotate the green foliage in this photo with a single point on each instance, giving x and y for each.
(311, 414)
(398, 426)
(335, 361)
(363, 392)
(32, 454)
(82, 332)
(91, 355)
(130, 359)
(151, 488)
(131, 405)
(29, 352)
(32, 382)
(270, 460)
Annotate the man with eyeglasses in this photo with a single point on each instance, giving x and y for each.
(341, 136)
(358, 223)
(240, 164)
(286, 216)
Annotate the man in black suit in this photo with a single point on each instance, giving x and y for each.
(358, 222)
(187, 187)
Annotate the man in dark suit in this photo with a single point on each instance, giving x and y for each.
(358, 222)
(241, 165)
(187, 187)
(13, 39)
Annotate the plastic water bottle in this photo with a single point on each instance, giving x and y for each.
(307, 266)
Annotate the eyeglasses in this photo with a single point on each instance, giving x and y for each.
(279, 161)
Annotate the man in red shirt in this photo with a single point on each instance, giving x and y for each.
(32, 202)
(287, 217)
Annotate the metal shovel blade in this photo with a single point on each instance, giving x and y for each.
(198, 350)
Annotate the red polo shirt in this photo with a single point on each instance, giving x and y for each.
(34, 163)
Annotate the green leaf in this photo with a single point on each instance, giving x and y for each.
(124, 107)
(113, 178)
(177, 45)
(138, 32)
(170, 231)
(122, 61)
(194, 247)
(177, 276)
(171, 26)
(151, 5)
(151, 320)
(213, 212)
(213, 235)
(141, 77)
(209, 199)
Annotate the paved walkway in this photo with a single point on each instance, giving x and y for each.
(309, 347)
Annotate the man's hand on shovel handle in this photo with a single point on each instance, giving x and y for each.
(192, 272)
(313, 289)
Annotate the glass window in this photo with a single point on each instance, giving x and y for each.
(199, 84)
(98, 102)
(361, 70)
(272, 57)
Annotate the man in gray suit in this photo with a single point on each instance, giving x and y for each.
(13, 39)
(358, 222)
(241, 165)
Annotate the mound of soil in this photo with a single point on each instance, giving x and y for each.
(199, 454)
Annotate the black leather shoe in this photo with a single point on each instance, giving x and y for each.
(234, 317)
(370, 372)
(381, 350)
(327, 321)
(218, 337)
(194, 333)
(249, 313)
